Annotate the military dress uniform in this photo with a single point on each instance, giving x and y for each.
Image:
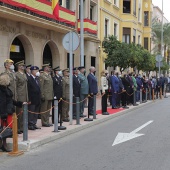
(76, 91)
(66, 93)
(22, 93)
(46, 86)
(58, 91)
(28, 74)
(12, 85)
(84, 90)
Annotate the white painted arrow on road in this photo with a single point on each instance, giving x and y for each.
(123, 137)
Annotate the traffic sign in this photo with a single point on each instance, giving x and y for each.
(71, 38)
(157, 64)
(159, 58)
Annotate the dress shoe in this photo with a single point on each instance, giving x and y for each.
(65, 120)
(59, 121)
(36, 127)
(5, 149)
(46, 125)
(114, 108)
(125, 107)
(31, 127)
(105, 113)
(19, 132)
(82, 116)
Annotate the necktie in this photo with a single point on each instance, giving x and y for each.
(36, 81)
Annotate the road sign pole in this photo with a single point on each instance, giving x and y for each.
(71, 76)
(71, 46)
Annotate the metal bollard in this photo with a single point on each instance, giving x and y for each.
(94, 107)
(165, 87)
(134, 98)
(25, 123)
(55, 116)
(140, 96)
(146, 94)
(150, 98)
(77, 111)
(88, 118)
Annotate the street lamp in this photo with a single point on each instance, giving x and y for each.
(81, 33)
(161, 38)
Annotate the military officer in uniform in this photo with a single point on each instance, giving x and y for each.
(76, 89)
(46, 86)
(22, 91)
(27, 71)
(84, 90)
(9, 69)
(66, 93)
(58, 89)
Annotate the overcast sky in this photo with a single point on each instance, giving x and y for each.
(166, 7)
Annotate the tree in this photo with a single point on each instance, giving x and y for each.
(117, 53)
(126, 55)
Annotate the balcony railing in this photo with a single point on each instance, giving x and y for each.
(90, 26)
(42, 9)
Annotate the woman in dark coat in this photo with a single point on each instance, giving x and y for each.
(6, 105)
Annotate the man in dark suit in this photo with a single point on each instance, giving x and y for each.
(115, 89)
(121, 89)
(28, 71)
(58, 90)
(34, 96)
(130, 88)
(126, 85)
(93, 88)
(76, 89)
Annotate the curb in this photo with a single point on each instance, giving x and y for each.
(29, 145)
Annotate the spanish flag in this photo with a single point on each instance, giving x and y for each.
(55, 7)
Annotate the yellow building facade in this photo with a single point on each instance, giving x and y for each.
(128, 20)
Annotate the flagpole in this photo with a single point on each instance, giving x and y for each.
(81, 33)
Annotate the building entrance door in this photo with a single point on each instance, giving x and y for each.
(17, 52)
(47, 55)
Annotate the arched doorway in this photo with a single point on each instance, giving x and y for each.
(51, 54)
(17, 52)
(21, 49)
(47, 55)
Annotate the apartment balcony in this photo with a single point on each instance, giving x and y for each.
(38, 13)
(90, 29)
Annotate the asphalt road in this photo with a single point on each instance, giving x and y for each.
(92, 149)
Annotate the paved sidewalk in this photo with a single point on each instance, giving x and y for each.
(45, 134)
